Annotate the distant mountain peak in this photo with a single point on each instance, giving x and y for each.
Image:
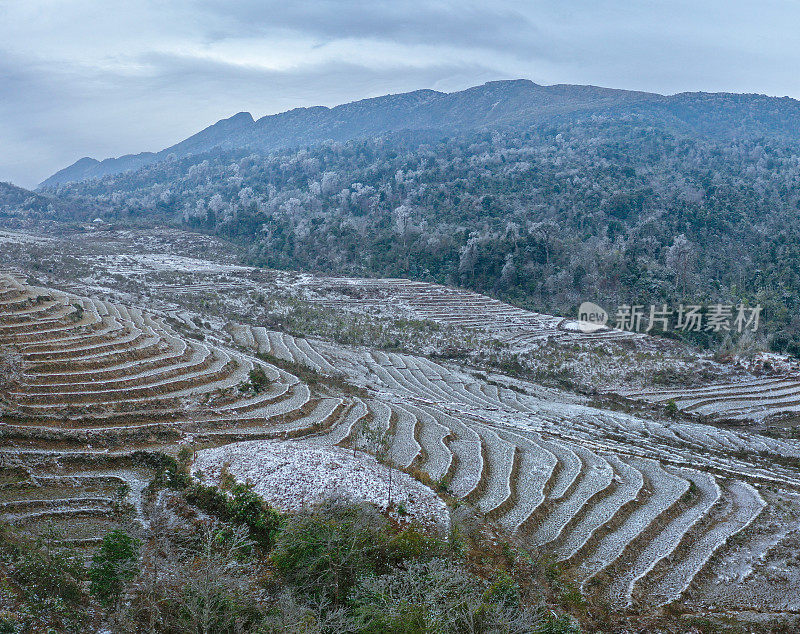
(501, 102)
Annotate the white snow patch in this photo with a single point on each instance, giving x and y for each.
(14, 237)
(173, 263)
(290, 475)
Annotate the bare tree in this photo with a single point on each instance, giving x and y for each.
(191, 583)
(378, 442)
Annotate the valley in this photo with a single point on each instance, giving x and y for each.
(121, 345)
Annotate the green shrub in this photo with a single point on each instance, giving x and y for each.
(437, 595)
(9, 623)
(113, 566)
(257, 381)
(503, 590)
(557, 624)
(671, 409)
(42, 582)
(239, 505)
(324, 551)
(412, 543)
(42, 571)
(246, 507)
(258, 378)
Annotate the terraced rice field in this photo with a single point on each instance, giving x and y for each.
(641, 510)
(644, 512)
(756, 400)
(456, 307)
(97, 387)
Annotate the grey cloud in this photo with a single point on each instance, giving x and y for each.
(460, 24)
(62, 98)
(59, 117)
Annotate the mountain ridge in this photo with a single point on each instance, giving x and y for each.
(505, 102)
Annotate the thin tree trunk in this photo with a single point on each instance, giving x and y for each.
(389, 464)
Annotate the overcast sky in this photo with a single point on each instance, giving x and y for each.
(104, 78)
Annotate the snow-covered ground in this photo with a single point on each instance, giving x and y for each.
(290, 475)
(169, 262)
(15, 237)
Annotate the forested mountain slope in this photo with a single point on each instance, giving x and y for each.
(519, 102)
(605, 209)
(18, 203)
